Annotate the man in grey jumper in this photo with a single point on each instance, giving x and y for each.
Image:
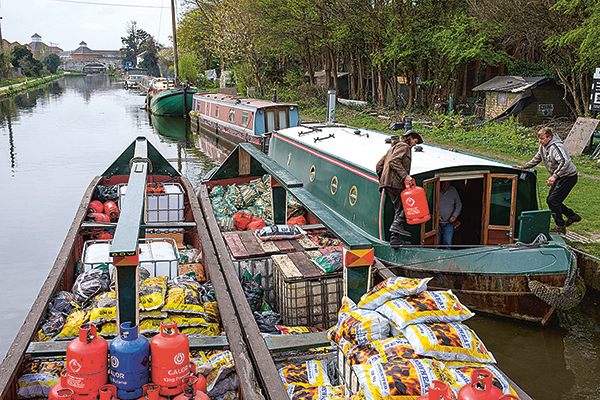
(563, 177)
(449, 209)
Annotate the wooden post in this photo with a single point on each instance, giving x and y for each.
(357, 271)
(244, 163)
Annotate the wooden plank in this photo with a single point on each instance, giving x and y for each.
(235, 245)
(306, 267)
(298, 342)
(314, 253)
(307, 244)
(16, 352)
(286, 266)
(251, 244)
(284, 246)
(247, 333)
(233, 329)
(267, 245)
(244, 163)
(580, 134)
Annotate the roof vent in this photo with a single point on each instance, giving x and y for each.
(357, 131)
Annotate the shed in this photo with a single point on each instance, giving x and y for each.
(531, 100)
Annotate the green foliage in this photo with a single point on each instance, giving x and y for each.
(22, 57)
(523, 68)
(188, 69)
(133, 42)
(51, 62)
(5, 65)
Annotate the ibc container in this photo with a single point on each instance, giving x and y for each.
(161, 207)
(159, 256)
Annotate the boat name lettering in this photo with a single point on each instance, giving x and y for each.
(123, 254)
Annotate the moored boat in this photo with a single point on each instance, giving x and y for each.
(133, 77)
(174, 102)
(239, 119)
(502, 248)
(142, 180)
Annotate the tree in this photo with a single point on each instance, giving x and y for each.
(23, 58)
(51, 62)
(132, 43)
(5, 61)
(149, 61)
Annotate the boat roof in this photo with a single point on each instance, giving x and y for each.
(365, 148)
(241, 101)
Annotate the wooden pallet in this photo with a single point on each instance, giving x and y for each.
(247, 245)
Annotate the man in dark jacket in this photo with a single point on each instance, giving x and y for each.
(393, 170)
(563, 177)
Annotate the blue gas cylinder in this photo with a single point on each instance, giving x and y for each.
(129, 362)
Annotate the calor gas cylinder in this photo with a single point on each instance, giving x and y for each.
(129, 362)
(87, 363)
(108, 392)
(151, 392)
(415, 204)
(480, 388)
(437, 391)
(190, 389)
(95, 207)
(170, 359)
(111, 209)
(62, 384)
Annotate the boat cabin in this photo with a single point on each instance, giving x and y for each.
(337, 164)
(240, 119)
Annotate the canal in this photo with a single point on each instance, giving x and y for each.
(55, 139)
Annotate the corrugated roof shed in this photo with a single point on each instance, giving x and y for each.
(512, 84)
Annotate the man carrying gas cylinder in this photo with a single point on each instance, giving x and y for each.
(393, 170)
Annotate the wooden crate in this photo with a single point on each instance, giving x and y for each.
(176, 236)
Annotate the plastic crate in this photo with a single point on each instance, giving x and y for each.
(159, 256)
(305, 301)
(161, 207)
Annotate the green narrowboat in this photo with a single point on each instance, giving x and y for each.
(176, 102)
(502, 248)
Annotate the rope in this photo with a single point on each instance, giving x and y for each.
(141, 159)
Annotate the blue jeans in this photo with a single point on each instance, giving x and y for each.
(445, 233)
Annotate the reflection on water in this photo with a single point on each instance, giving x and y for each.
(54, 140)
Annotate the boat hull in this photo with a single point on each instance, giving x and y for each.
(172, 102)
(229, 133)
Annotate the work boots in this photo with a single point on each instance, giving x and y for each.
(572, 220)
(396, 227)
(396, 241)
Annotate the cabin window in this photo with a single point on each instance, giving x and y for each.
(231, 115)
(501, 98)
(334, 185)
(198, 106)
(500, 202)
(207, 108)
(353, 196)
(245, 118)
(282, 119)
(217, 111)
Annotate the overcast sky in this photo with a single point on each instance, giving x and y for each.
(99, 23)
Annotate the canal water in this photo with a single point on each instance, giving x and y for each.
(54, 140)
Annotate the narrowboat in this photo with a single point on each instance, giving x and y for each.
(174, 102)
(142, 238)
(501, 249)
(133, 77)
(239, 119)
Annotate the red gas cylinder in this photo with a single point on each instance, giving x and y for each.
(151, 392)
(170, 351)
(414, 203)
(103, 235)
(95, 207)
(98, 217)
(87, 363)
(438, 391)
(62, 384)
(509, 397)
(111, 209)
(66, 394)
(189, 386)
(480, 388)
(108, 392)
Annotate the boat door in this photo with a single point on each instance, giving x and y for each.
(277, 118)
(429, 229)
(500, 209)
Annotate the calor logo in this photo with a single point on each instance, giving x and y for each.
(410, 201)
(179, 358)
(114, 362)
(74, 365)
